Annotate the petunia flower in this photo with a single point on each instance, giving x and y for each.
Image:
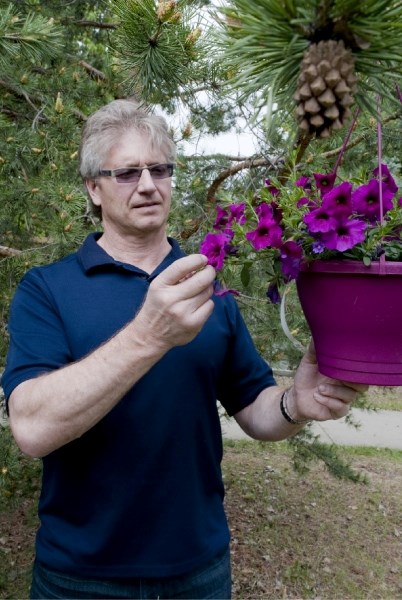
(386, 178)
(271, 188)
(264, 209)
(317, 247)
(237, 213)
(302, 201)
(214, 246)
(339, 200)
(366, 200)
(291, 257)
(273, 294)
(222, 218)
(220, 290)
(346, 234)
(320, 220)
(304, 182)
(324, 181)
(267, 234)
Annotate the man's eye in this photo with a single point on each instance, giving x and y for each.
(128, 174)
(158, 169)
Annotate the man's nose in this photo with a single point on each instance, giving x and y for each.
(146, 182)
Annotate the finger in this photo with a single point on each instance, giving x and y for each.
(194, 302)
(310, 355)
(182, 268)
(197, 283)
(360, 388)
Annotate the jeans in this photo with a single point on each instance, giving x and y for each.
(211, 581)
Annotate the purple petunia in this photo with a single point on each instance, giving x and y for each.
(221, 291)
(237, 213)
(264, 209)
(366, 200)
(273, 293)
(324, 181)
(215, 248)
(346, 234)
(339, 200)
(267, 234)
(222, 218)
(271, 188)
(320, 220)
(386, 178)
(291, 257)
(303, 182)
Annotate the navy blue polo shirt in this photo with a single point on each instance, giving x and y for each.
(141, 493)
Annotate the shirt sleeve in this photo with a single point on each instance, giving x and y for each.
(246, 372)
(38, 343)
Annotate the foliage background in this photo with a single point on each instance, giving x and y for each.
(62, 60)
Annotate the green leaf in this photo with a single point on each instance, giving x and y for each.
(245, 275)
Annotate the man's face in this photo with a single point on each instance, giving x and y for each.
(140, 207)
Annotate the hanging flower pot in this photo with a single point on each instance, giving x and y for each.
(343, 246)
(354, 314)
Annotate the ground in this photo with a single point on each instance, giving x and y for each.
(293, 536)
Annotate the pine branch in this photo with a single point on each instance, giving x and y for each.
(94, 73)
(95, 24)
(247, 164)
(359, 139)
(19, 93)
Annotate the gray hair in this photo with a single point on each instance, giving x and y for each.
(104, 128)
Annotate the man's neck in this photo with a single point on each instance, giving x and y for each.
(145, 253)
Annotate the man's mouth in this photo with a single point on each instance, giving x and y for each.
(146, 205)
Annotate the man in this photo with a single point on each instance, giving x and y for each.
(118, 354)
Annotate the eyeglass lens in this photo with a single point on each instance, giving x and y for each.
(134, 173)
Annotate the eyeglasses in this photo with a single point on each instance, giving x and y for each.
(133, 174)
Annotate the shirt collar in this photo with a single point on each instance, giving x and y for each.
(93, 257)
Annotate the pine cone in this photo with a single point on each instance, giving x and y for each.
(327, 82)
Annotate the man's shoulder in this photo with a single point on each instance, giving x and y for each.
(64, 268)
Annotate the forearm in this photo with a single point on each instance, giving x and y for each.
(264, 419)
(53, 409)
(57, 407)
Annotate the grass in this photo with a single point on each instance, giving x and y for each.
(293, 536)
(313, 536)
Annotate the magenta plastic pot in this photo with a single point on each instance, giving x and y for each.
(355, 317)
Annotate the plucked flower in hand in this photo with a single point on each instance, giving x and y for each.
(315, 217)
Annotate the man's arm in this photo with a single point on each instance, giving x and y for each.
(312, 397)
(58, 407)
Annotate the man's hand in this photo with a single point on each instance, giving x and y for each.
(178, 302)
(316, 396)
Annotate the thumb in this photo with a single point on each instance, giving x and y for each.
(310, 355)
(182, 268)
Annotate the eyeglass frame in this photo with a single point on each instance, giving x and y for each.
(116, 172)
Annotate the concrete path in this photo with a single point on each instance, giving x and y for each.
(379, 429)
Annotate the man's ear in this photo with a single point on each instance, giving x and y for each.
(93, 190)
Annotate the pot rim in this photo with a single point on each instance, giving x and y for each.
(352, 266)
